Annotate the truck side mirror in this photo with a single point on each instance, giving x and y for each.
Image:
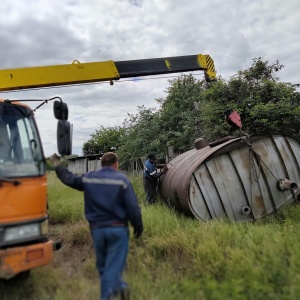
(64, 137)
(60, 109)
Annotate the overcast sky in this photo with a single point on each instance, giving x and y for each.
(233, 32)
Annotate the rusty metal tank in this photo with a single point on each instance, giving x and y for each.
(238, 179)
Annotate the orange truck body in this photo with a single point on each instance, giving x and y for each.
(23, 209)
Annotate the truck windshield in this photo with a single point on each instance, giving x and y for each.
(20, 147)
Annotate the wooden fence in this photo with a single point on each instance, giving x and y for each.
(84, 164)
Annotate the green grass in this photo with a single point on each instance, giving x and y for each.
(177, 257)
(65, 204)
(186, 259)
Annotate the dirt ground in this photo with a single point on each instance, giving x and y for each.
(74, 245)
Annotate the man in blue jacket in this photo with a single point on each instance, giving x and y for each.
(109, 204)
(152, 172)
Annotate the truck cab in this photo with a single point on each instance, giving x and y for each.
(23, 190)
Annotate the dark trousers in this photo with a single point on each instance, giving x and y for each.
(150, 188)
(111, 247)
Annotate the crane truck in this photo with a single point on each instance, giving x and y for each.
(24, 242)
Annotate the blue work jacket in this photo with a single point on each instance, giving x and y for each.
(151, 172)
(109, 198)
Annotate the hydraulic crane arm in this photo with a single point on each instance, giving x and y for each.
(76, 73)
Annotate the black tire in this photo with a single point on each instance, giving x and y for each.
(24, 275)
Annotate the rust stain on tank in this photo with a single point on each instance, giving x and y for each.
(260, 203)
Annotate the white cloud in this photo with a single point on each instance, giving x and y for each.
(233, 32)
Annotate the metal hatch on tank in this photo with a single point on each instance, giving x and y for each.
(238, 179)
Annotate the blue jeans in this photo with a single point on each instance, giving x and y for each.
(111, 247)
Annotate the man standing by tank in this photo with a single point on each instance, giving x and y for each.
(109, 204)
(152, 172)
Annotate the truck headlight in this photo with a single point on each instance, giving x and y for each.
(44, 227)
(22, 232)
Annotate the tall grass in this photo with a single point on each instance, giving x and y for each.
(177, 257)
(65, 204)
(181, 258)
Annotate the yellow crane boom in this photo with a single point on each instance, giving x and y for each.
(76, 72)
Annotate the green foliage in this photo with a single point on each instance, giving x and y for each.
(284, 115)
(140, 134)
(261, 70)
(176, 123)
(214, 103)
(180, 114)
(103, 140)
(265, 104)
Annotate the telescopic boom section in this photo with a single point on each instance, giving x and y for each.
(156, 66)
(76, 73)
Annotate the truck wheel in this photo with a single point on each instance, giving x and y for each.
(24, 275)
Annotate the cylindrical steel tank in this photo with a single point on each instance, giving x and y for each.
(229, 180)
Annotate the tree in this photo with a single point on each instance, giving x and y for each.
(140, 134)
(265, 104)
(214, 100)
(261, 70)
(176, 123)
(180, 114)
(103, 140)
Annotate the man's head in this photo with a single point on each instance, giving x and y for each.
(151, 156)
(109, 159)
